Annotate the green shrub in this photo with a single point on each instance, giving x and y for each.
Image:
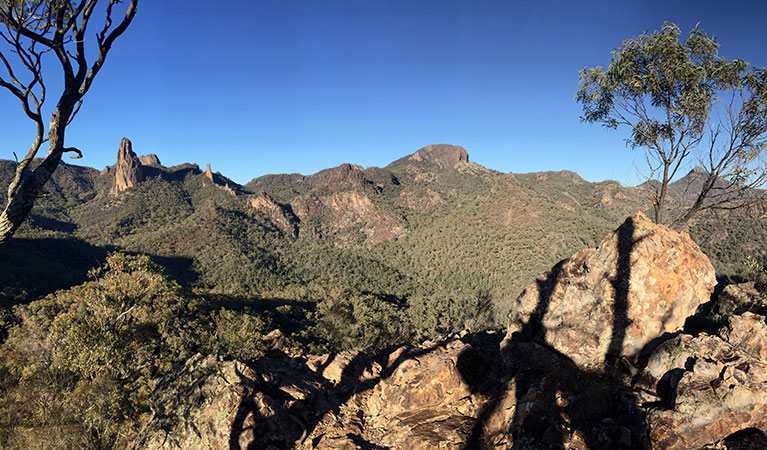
(356, 321)
(80, 364)
(236, 335)
(755, 271)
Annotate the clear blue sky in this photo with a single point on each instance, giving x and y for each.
(257, 87)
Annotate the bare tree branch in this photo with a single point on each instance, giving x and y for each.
(31, 29)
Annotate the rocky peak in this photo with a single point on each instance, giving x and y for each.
(345, 176)
(150, 160)
(346, 171)
(208, 172)
(128, 170)
(443, 155)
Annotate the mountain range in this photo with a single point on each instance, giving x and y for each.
(429, 225)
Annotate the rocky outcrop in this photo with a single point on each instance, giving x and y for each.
(208, 173)
(442, 155)
(708, 387)
(459, 393)
(150, 160)
(347, 208)
(128, 172)
(213, 404)
(467, 392)
(281, 401)
(281, 215)
(642, 281)
(737, 298)
(427, 401)
(427, 162)
(416, 398)
(343, 177)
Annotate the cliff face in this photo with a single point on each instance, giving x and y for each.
(281, 215)
(430, 158)
(128, 171)
(150, 160)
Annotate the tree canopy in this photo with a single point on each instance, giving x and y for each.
(683, 101)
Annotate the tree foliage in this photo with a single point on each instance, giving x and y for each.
(682, 101)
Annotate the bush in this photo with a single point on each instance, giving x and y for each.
(79, 365)
(439, 315)
(356, 321)
(755, 272)
(236, 335)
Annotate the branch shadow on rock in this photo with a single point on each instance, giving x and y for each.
(301, 417)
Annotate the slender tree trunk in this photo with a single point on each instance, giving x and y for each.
(23, 199)
(662, 195)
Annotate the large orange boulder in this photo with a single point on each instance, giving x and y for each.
(643, 280)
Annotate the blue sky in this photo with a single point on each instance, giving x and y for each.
(257, 87)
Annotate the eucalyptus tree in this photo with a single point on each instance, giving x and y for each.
(682, 102)
(29, 31)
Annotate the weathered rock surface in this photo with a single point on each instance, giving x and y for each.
(737, 298)
(150, 160)
(642, 281)
(425, 397)
(281, 215)
(443, 156)
(208, 173)
(429, 401)
(214, 405)
(128, 171)
(708, 387)
(467, 392)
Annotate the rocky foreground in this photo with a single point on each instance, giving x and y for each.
(595, 358)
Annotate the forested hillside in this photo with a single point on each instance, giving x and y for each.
(430, 226)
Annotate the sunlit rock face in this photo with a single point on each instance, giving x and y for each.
(642, 281)
(128, 170)
(280, 215)
(150, 160)
(442, 155)
(708, 387)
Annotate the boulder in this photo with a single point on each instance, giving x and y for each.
(128, 170)
(642, 281)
